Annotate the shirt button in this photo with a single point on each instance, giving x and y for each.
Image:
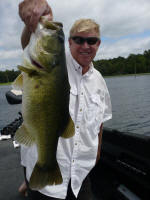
(80, 109)
(76, 144)
(77, 126)
(82, 93)
(73, 161)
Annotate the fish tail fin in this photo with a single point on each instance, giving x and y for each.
(69, 130)
(22, 136)
(42, 177)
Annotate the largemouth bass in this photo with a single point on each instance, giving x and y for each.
(45, 102)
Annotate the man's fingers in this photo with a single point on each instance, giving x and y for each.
(48, 11)
(34, 19)
(30, 12)
(33, 22)
(36, 14)
(22, 14)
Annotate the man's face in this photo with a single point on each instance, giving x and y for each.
(84, 53)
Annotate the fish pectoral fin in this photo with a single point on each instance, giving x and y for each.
(23, 137)
(69, 130)
(18, 82)
(42, 176)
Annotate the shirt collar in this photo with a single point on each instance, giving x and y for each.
(78, 67)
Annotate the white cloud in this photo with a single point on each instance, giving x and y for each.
(11, 54)
(123, 48)
(117, 18)
(10, 41)
(125, 17)
(122, 25)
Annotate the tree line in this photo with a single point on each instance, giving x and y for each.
(8, 76)
(139, 63)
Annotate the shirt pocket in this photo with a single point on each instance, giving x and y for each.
(95, 108)
(94, 113)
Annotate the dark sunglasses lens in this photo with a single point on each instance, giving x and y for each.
(78, 40)
(89, 40)
(92, 41)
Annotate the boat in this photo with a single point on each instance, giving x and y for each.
(123, 172)
(14, 96)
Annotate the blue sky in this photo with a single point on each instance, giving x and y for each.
(124, 26)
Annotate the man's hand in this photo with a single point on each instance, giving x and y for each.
(30, 12)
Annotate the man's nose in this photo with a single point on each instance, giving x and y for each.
(85, 45)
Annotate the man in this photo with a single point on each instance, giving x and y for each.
(89, 107)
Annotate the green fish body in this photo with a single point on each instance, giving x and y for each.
(45, 102)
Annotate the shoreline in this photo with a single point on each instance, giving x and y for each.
(9, 83)
(118, 75)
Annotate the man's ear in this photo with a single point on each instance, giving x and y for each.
(99, 42)
(70, 41)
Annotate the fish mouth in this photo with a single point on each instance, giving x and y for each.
(36, 64)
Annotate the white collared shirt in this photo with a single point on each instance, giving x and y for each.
(89, 107)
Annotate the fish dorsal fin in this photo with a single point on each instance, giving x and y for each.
(69, 130)
(18, 82)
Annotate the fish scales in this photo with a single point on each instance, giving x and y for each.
(45, 102)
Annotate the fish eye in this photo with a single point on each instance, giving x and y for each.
(61, 38)
(61, 35)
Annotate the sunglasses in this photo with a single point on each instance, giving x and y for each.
(82, 40)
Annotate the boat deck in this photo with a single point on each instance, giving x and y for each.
(11, 172)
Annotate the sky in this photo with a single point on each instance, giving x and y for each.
(124, 26)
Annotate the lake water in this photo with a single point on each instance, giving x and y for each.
(7, 112)
(130, 98)
(130, 104)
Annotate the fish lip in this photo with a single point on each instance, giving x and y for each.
(36, 64)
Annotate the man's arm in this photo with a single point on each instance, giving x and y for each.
(25, 37)
(100, 142)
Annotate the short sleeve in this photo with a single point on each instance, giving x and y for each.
(107, 107)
